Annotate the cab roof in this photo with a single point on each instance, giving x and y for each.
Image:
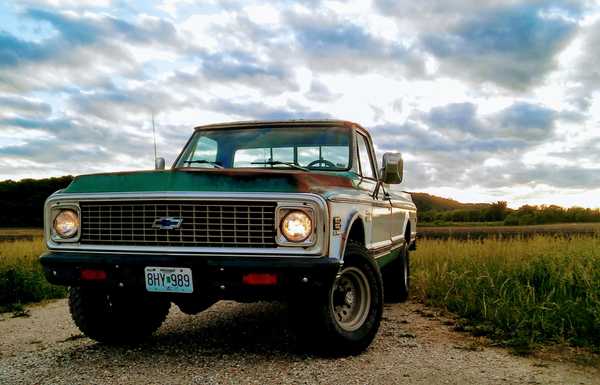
(283, 123)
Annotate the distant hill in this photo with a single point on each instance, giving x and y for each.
(427, 202)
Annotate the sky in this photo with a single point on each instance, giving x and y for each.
(486, 100)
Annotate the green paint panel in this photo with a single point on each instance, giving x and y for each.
(179, 181)
(172, 180)
(384, 260)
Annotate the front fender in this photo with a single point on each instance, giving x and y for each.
(339, 238)
(352, 220)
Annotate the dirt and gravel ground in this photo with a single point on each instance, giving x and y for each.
(235, 343)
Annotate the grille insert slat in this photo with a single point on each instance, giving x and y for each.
(204, 223)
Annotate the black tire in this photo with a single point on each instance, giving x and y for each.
(196, 305)
(320, 318)
(116, 317)
(396, 278)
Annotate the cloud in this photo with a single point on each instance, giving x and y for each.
(14, 51)
(452, 143)
(329, 43)
(32, 123)
(84, 30)
(514, 47)
(320, 92)
(82, 50)
(13, 105)
(527, 121)
(518, 173)
(238, 68)
(455, 116)
(264, 56)
(436, 161)
(73, 139)
(584, 154)
(586, 74)
(118, 104)
(68, 3)
(521, 120)
(262, 111)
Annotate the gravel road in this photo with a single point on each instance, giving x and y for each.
(235, 343)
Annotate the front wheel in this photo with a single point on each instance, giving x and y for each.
(116, 317)
(351, 314)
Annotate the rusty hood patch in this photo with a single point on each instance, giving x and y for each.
(207, 180)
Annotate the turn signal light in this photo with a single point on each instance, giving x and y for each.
(260, 279)
(92, 275)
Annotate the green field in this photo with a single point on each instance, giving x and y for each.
(493, 230)
(519, 290)
(21, 277)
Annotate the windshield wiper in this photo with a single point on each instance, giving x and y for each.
(277, 162)
(203, 161)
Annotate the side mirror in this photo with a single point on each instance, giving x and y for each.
(393, 168)
(159, 164)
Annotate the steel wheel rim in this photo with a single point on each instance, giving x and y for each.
(350, 299)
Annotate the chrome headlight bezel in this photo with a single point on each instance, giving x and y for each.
(57, 209)
(282, 213)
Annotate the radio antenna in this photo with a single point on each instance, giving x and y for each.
(154, 134)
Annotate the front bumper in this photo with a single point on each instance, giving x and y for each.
(215, 276)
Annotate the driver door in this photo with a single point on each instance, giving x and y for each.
(381, 208)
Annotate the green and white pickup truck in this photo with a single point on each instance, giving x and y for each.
(280, 210)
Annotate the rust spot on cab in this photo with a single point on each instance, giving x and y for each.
(319, 182)
(302, 180)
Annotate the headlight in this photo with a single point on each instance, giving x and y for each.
(66, 224)
(296, 226)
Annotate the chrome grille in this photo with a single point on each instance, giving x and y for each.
(204, 223)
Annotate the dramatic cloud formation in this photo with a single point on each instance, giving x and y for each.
(512, 46)
(487, 100)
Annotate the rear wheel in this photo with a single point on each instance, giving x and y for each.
(396, 278)
(116, 317)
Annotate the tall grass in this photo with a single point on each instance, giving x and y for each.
(520, 291)
(21, 276)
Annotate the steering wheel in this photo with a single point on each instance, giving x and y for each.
(326, 162)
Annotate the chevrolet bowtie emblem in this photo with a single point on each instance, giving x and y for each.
(167, 223)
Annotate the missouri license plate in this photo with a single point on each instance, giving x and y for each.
(169, 279)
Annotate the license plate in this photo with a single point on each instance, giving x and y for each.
(169, 279)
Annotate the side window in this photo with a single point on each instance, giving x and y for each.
(365, 161)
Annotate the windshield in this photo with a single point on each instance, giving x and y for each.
(308, 148)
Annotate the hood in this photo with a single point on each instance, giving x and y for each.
(217, 180)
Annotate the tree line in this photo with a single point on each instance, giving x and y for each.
(22, 202)
(524, 215)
